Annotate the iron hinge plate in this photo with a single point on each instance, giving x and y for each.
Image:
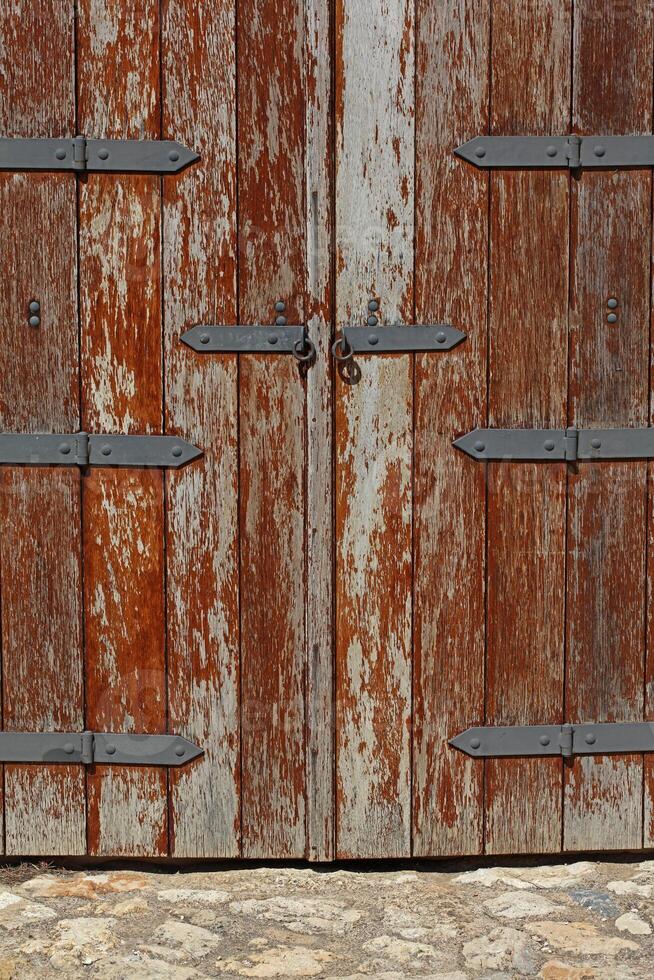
(563, 740)
(569, 445)
(82, 449)
(91, 155)
(606, 152)
(104, 748)
(245, 340)
(402, 339)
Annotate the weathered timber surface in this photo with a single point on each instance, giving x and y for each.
(40, 578)
(609, 385)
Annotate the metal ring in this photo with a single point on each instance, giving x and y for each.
(338, 346)
(304, 350)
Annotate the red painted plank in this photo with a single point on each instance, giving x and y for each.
(39, 509)
(199, 262)
(118, 97)
(272, 439)
(450, 395)
(528, 302)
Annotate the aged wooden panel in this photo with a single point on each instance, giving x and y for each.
(450, 390)
(199, 263)
(39, 509)
(374, 418)
(528, 302)
(272, 257)
(320, 503)
(118, 97)
(609, 385)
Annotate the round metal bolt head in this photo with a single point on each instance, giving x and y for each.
(590, 739)
(612, 303)
(60, 154)
(544, 740)
(440, 337)
(280, 306)
(34, 321)
(204, 338)
(69, 748)
(110, 749)
(281, 321)
(372, 321)
(612, 318)
(35, 306)
(373, 339)
(180, 751)
(479, 447)
(480, 152)
(599, 151)
(106, 450)
(475, 743)
(549, 445)
(551, 151)
(272, 338)
(103, 154)
(596, 443)
(177, 451)
(64, 448)
(373, 305)
(173, 155)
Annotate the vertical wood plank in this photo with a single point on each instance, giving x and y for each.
(528, 304)
(609, 386)
(199, 262)
(272, 258)
(450, 392)
(374, 419)
(39, 508)
(320, 496)
(118, 97)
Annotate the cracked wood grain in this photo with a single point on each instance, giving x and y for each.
(39, 508)
(609, 386)
(450, 395)
(374, 441)
(199, 261)
(118, 97)
(528, 302)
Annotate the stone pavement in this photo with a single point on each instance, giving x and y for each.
(573, 921)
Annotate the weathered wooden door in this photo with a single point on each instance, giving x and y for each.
(332, 591)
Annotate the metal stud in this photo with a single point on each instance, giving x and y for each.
(373, 305)
(549, 444)
(280, 306)
(612, 318)
(474, 743)
(612, 303)
(106, 450)
(372, 321)
(104, 154)
(177, 451)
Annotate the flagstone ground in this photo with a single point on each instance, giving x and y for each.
(585, 920)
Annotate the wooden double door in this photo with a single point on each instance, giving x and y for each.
(332, 591)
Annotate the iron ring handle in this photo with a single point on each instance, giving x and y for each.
(342, 350)
(304, 350)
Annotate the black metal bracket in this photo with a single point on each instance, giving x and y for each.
(103, 748)
(568, 445)
(396, 340)
(280, 339)
(84, 155)
(564, 740)
(82, 449)
(545, 152)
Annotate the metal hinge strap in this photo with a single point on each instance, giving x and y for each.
(91, 748)
(565, 740)
(81, 449)
(80, 154)
(605, 152)
(569, 445)
(209, 339)
(397, 340)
